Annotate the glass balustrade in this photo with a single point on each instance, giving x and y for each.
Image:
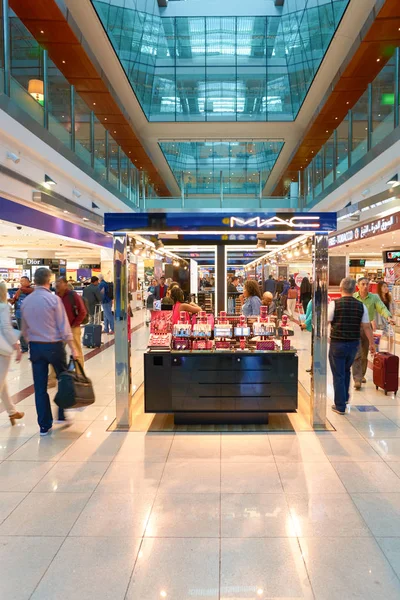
(373, 117)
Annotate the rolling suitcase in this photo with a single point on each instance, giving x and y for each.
(92, 332)
(386, 371)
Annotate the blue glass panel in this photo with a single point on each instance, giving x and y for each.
(241, 164)
(240, 68)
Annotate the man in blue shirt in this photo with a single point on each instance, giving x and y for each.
(107, 297)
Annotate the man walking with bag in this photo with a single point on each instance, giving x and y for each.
(76, 313)
(45, 326)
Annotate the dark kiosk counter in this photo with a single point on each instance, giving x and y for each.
(220, 387)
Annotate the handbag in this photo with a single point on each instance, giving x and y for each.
(75, 389)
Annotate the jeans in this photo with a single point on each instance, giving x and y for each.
(108, 317)
(43, 355)
(360, 364)
(341, 357)
(22, 341)
(4, 394)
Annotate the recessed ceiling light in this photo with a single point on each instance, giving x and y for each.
(105, 118)
(115, 132)
(378, 60)
(41, 31)
(94, 103)
(63, 62)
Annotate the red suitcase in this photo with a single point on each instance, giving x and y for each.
(386, 372)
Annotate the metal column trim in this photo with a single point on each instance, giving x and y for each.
(369, 118)
(6, 47)
(397, 89)
(72, 109)
(92, 138)
(45, 90)
(320, 331)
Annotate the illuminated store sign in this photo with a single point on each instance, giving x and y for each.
(214, 223)
(365, 231)
(260, 223)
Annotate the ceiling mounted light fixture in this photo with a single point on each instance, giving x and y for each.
(48, 182)
(393, 181)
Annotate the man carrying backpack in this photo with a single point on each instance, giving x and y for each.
(76, 313)
(106, 290)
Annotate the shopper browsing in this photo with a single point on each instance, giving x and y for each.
(268, 300)
(92, 297)
(305, 292)
(45, 326)
(8, 344)
(252, 298)
(381, 322)
(76, 312)
(374, 305)
(270, 285)
(178, 298)
(292, 298)
(348, 317)
(232, 285)
(25, 289)
(106, 290)
(161, 289)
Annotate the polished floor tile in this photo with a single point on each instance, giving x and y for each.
(46, 449)
(73, 477)
(10, 446)
(185, 516)
(349, 449)
(45, 514)
(343, 569)
(131, 477)
(252, 478)
(367, 477)
(8, 502)
(23, 562)
(145, 448)
(246, 448)
(184, 477)
(263, 568)
(176, 568)
(311, 478)
(114, 515)
(387, 448)
(97, 446)
(195, 447)
(390, 546)
(381, 512)
(87, 568)
(21, 476)
(255, 516)
(324, 515)
(297, 448)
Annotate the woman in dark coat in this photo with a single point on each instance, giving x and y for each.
(305, 292)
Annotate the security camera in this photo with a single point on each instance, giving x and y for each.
(19, 227)
(14, 157)
(60, 244)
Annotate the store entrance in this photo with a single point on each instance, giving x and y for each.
(218, 367)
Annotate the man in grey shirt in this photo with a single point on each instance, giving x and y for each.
(46, 327)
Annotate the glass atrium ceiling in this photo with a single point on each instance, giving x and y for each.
(240, 165)
(236, 68)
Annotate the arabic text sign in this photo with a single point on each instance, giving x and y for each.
(365, 231)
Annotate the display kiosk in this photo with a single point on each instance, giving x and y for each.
(241, 372)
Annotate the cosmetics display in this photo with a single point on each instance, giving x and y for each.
(230, 334)
(222, 332)
(160, 331)
(181, 333)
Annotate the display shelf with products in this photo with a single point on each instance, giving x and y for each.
(222, 372)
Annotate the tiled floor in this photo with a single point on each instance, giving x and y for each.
(88, 514)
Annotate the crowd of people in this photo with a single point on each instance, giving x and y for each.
(47, 324)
